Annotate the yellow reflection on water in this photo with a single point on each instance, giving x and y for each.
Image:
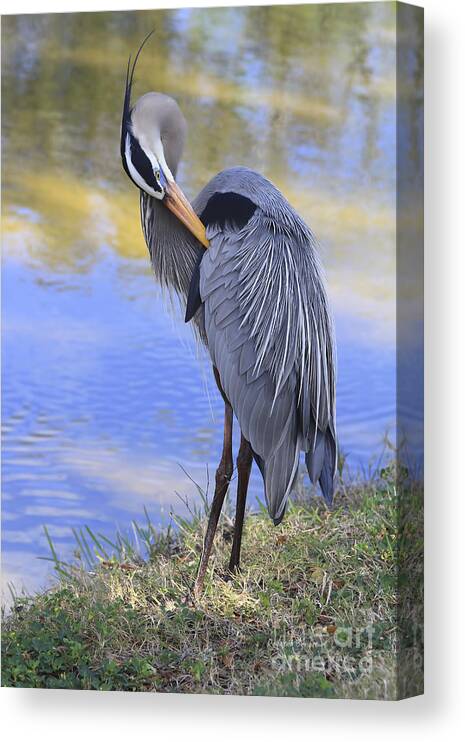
(61, 221)
(306, 96)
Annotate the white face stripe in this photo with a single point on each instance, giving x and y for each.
(157, 160)
(136, 176)
(161, 159)
(153, 148)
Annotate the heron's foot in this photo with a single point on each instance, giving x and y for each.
(197, 589)
(189, 600)
(231, 573)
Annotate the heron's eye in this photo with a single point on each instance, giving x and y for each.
(160, 191)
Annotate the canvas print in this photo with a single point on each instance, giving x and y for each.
(212, 351)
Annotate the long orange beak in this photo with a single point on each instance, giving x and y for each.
(178, 204)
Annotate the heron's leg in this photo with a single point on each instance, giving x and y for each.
(244, 465)
(222, 479)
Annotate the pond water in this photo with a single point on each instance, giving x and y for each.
(107, 403)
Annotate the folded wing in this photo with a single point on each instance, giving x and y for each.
(270, 336)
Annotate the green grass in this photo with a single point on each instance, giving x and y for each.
(313, 612)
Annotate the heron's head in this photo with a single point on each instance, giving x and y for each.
(153, 132)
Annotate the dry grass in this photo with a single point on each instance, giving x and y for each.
(313, 613)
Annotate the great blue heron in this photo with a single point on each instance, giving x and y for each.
(246, 265)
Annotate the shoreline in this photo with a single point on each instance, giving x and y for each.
(313, 612)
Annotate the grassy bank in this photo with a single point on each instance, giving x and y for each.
(313, 613)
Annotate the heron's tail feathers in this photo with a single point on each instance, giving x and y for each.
(321, 463)
(279, 473)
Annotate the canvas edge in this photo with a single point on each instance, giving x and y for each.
(409, 347)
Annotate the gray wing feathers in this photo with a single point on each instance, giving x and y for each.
(321, 463)
(270, 337)
(329, 467)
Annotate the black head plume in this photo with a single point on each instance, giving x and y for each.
(126, 119)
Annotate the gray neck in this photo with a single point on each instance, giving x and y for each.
(174, 252)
